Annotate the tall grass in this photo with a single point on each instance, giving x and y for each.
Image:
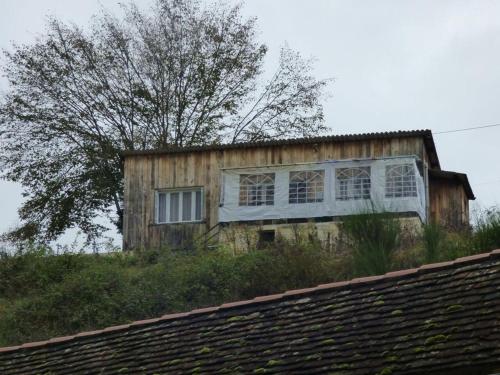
(433, 238)
(44, 295)
(374, 239)
(487, 231)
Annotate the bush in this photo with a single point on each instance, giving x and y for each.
(44, 294)
(434, 238)
(374, 239)
(487, 231)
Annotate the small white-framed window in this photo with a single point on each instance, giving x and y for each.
(400, 181)
(179, 206)
(353, 183)
(257, 189)
(306, 186)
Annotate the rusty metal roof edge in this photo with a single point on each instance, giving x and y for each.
(290, 141)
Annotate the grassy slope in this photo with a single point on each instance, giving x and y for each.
(43, 295)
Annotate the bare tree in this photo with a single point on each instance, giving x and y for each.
(177, 75)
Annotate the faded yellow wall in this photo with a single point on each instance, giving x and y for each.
(242, 237)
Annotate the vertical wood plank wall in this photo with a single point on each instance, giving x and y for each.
(449, 204)
(146, 173)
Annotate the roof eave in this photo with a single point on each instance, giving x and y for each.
(425, 134)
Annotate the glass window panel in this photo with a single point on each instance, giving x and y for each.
(400, 181)
(162, 207)
(256, 189)
(186, 206)
(198, 206)
(177, 206)
(306, 186)
(174, 207)
(353, 183)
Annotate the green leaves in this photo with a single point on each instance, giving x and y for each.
(179, 75)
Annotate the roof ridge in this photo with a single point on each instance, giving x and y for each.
(266, 142)
(263, 299)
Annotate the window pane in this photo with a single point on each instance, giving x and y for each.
(162, 207)
(353, 183)
(174, 207)
(400, 181)
(198, 206)
(186, 206)
(306, 186)
(256, 189)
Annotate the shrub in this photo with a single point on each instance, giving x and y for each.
(44, 294)
(434, 238)
(487, 231)
(374, 239)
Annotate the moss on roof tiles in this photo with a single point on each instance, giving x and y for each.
(379, 327)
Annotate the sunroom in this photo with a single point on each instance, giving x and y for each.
(330, 188)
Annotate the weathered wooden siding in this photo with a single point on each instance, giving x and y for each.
(449, 204)
(146, 173)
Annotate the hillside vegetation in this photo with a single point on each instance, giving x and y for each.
(44, 294)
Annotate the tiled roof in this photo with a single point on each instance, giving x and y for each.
(437, 319)
(425, 134)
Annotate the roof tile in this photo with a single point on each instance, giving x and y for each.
(405, 322)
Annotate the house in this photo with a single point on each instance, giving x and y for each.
(244, 192)
(439, 319)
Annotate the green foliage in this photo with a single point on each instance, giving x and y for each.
(487, 231)
(440, 244)
(433, 238)
(374, 239)
(44, 294)
(78, 97)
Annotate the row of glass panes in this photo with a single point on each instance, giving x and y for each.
(308, 186)
(179, 206)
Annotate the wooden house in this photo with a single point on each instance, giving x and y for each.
(244, 192)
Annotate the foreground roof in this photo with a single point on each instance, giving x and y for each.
(425, 134)
(437, 319)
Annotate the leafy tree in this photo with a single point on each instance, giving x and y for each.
(177, 75)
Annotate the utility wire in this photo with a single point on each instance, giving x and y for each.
(487, 183)
(465, 129)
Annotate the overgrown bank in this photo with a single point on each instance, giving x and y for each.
(44, 295)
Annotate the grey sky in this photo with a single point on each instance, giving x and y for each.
(397, 65)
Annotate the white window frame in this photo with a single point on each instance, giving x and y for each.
(316, 188)
(263, 186)
(350, 196)
(407, 182)
(180, 191)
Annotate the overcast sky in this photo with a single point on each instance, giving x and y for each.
(397, 65)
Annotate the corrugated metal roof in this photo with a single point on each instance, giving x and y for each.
(425, 134)
(460, 177)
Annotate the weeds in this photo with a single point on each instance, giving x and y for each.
(44, 294)
(374, 239)
(487, 231)
(433, 240)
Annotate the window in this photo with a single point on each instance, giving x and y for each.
(178, 206)
(353, 183)
(256, 189)
(306, 186)
(266, 237)
(400, 181)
